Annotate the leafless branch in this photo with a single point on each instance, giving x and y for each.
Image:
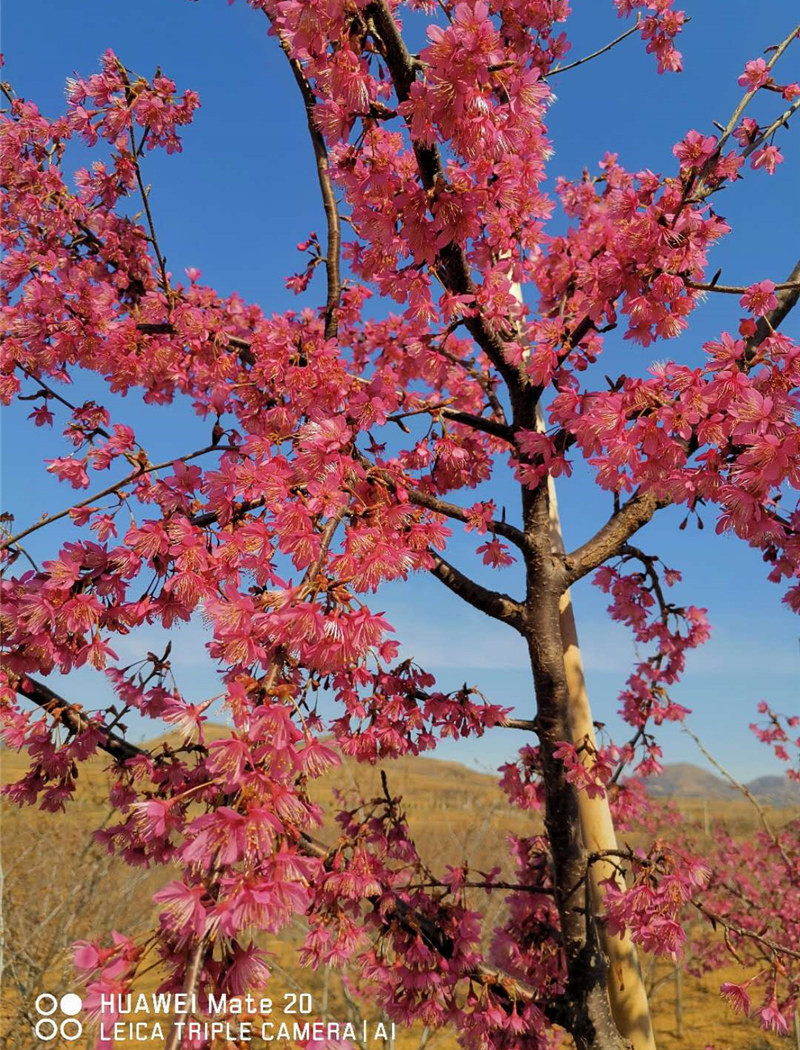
(607, 541)
(600, 51)
(193, 971)
(739, 289)
(781, 121)
(74, 718)
(702, 189)
(773, 948)
(748, 794)
(527, 724)
(452, 268)
(144, 191)
(332, 258)
(493, 603)
(467, 419)
(50, 393)
(452, 510)
(788, 298)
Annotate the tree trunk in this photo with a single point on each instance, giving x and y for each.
(626, 989)
(623, 985)
(589, 1018)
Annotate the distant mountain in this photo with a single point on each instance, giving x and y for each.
(780, 791)
(684, 780)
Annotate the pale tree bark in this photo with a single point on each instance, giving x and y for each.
(626, 989)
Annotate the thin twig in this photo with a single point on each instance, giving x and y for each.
(737, 289)
(113, 488)
(440, 506)
(600, 51)
(56, 396)
(144, 192)
(740, 931)
(702, 189)
(781, 121)
(762, 816)
(190, 988)
(770, 322)
(332, 258)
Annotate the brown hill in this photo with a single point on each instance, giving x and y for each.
(682, 780)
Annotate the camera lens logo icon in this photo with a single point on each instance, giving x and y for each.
(58, 1017)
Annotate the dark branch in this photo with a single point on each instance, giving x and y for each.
(649, 563)
(73, 718)
(332, 259)
(209, 517)
(489, 426)
(452, 510)
(453, 268)
(738, 289)
(468, 419)
(483, 380)
(607, 541)
(493, 603)
(600, 51)
(528, 725)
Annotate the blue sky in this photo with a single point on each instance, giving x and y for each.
(243, 193)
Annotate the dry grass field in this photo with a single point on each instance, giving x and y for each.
(61, 887)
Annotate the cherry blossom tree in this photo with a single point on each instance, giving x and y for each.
(342, 445)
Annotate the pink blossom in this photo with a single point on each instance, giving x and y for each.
(184, 907)
(760, 298)
(755, 74)
(495, 553)
(772, 1018)
(736, 995)
(746, 131)
(69, 469)
(695, 149)
(247, 970)
(768, 158)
